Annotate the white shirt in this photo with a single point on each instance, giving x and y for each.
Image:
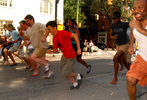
(142, 40)
(36, 34)
(30, 46)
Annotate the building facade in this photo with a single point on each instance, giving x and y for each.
(13, 11)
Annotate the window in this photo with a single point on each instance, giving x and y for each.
(6, 3)
(3, 2)
(2, 22)
(46, 6)
(10, 3)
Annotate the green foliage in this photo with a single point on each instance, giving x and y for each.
(70, 10)
(102, 6)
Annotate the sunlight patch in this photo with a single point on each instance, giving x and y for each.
(20, 68)
(17, 83)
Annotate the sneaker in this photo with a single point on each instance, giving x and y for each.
(79, 79)
(89, 69)
(74, 87)
(47, 67)
(50, 75)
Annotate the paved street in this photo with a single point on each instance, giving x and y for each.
(16, 83)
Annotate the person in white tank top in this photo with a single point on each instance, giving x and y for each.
(138, 69)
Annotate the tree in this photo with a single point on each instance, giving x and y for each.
(104, 7)
(70, 10)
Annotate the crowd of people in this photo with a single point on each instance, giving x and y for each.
(33, 36)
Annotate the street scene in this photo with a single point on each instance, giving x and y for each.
(73, 50)
(16, 83)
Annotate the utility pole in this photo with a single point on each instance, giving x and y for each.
(77, 10)
(56, 3)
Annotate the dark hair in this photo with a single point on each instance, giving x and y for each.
(5, 25)
(23, 22)
(116, 15)
(11, 26)
(29, 17)
(51, 23)
(73, 21)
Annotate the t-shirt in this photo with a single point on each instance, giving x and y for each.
(142, 40)
(7, 34)
(15, 36)
(121, 30)
(62, 40)
(30, 46)
(73, 31)
(36, 34)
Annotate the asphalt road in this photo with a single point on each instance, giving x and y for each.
(16, 83)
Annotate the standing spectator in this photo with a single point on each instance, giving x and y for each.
(73, 28)
(118, 32)
(138, 70)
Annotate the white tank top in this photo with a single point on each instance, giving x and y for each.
(142, 43)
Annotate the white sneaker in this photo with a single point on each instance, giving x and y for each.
(79, 77)
(47, 67)
(50, 75)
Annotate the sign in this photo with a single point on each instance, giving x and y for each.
(60, 27)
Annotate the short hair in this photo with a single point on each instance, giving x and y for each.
(23, 22)
(116, 15)
(73, 21)
(51, 23)
(5, 25)
(29, 16)
(11, 26)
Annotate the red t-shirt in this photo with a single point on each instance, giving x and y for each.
(62, 40)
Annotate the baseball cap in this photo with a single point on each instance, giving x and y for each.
(116, 15)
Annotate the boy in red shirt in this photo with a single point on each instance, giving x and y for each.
(62, 40)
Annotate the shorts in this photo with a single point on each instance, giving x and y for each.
(13, 49)
(10, 45)
(39, 52)
(20, 51)
(29, 52)
(124, 48)
(138, 70)
(67, 65)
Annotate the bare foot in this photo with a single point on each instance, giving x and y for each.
(6, 63)
(113, 82)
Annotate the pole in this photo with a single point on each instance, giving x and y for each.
(77, 11)
(56, 2)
